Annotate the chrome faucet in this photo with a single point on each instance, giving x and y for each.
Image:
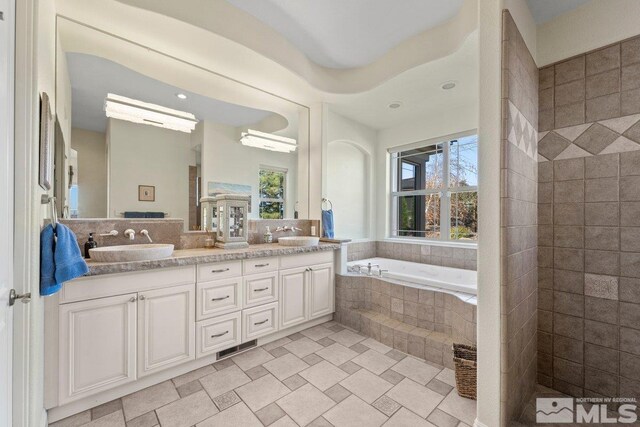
(146, 234)
(287, 228)
(111, 233)
(370, 266)
(130, 234)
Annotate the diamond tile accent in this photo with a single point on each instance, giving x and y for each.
(552, 145)
(596, 138)
(572, 132)
(572, 152)
(621, 124)
(633, 133)
(621, 145)
(521, 133)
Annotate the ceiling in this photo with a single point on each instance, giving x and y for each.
(349, 34)
(546, 10)
(419, 90)
(92, 77)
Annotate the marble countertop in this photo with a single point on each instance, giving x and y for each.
(203, 256)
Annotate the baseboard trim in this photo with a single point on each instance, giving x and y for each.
(477, 423)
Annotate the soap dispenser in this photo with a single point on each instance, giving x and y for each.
(90, 244)
(268, 237)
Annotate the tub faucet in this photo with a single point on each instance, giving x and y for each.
(146, 234)
(130, 234)
(370, 266)
(382, 271)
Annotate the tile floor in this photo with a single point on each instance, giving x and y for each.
(323, 376)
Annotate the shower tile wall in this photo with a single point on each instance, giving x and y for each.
(589, 223)
(518, 222)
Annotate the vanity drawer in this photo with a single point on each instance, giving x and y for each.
(260, 288)
(218, 297)
(260, 265)
(305, 260)
(219, 270)
(259, 321)
(217, 334)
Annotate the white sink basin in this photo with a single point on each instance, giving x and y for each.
(298, 241)
(126, 253)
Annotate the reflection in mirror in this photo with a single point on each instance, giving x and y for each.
(139, 147)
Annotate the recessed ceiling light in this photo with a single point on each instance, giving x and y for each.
(448, 85)
(395, 104)
(181, 95)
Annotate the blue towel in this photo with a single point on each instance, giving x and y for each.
(327, 223)
(48, 284)
(134, 214)
(60, 258)
(154, 215)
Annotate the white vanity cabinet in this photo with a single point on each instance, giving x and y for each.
(97, 345)
(166, 328)
(306, 289)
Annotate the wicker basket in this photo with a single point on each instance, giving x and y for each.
(465, 360)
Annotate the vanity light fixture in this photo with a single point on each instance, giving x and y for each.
(132, 110)
(268, 141)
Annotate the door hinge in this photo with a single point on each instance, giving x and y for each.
(13, 296)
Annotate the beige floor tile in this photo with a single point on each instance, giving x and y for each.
(417, 370)
(189, 388)
(447, 376)
(114, 419)
(415, 397)
(270, 414)
(337, 354)
(353, 412)
(150, 398)
(305, 404)
(442, 419)
(323, 375)
(193, 375)
(73, 421)
(223, 381)
(376, 345)
(226, 400)
(366, 385)
(303, 347)
(386, 405)
(252, 358)
(294, 382)
(460, 407)
(337, 393)
(261, 392)
(187, 411)
(347, 338)
(275, 344)
(316, 333)
(147, 420)
(285, 366)
(374, 361)
(237, 415)
(285, 421)
(406, 418)
(106, 409)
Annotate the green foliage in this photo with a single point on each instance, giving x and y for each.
(271, 186)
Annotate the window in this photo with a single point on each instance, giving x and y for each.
(435, 190)
(272, 192)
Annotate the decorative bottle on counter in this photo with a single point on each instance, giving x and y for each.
(90, 244)
(268, 237)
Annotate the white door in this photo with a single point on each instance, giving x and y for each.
(7, 8)
(293, 297)
(320, 290)
(166, 328)
(97, 345)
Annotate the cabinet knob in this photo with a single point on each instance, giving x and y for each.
(142, 297)
(132, 299)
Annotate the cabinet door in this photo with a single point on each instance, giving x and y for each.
(293, 297)
(97, 345)
(166, 328)
(321, 290)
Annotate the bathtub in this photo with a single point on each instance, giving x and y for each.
(419, 275)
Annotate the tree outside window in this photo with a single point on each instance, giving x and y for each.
(272, 193)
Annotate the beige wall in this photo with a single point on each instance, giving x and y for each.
(92, 172)
(148, 155)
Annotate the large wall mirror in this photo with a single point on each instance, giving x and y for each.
(143, 134)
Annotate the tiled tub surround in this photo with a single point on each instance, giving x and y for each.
(170, 230)
(445, 256)
(589, 216)
(421, 322)
(326, 375)
(518, 223)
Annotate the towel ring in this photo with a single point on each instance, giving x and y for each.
(325, 200)
(51, 201)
